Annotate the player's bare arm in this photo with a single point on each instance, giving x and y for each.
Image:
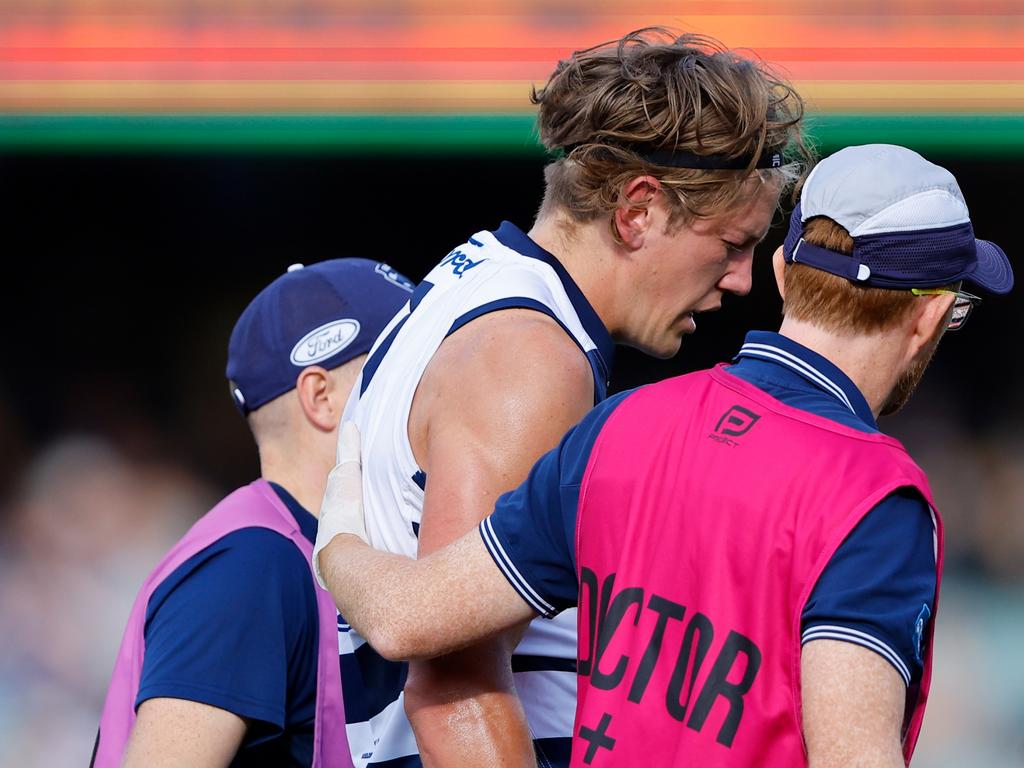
(176, 732)
(853, 705)
(498, 394)
(418, 609)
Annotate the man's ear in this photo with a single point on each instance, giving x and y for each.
(314, 388)
(930, 314)
(632, 219)
(779, 267)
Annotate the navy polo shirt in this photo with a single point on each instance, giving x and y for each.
(877, 591)
(236, 626)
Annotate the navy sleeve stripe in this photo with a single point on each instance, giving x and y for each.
(509, 570)
(855, 636)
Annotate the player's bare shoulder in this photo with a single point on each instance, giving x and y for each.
(514, 361)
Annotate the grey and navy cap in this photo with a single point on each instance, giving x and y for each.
(324, 314)
(907, 217)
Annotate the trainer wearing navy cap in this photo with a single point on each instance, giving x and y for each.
(230, 655)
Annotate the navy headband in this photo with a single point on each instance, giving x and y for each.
(770, 158)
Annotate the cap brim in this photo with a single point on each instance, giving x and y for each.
(993, 271)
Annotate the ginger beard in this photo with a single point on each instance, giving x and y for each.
(907, 381)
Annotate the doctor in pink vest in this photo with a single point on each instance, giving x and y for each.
(230, 656)
(756, 565)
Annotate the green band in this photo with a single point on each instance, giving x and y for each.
(511, 134)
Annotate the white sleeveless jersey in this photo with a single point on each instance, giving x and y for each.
(492, 271)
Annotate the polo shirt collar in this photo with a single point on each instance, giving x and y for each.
(303, 518)
(797, 363)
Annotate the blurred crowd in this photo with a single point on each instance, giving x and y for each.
(83, 528)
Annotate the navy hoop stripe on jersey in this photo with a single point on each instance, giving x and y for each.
(377, 680)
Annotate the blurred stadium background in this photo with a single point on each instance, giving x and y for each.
(162, 160)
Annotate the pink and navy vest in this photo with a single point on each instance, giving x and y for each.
(252, 506)
(707, 512)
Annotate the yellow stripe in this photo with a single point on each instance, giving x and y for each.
(432, 96)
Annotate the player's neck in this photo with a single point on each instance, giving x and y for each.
(583, 249)
(870, 361)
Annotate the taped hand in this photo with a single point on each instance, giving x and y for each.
(342, 509)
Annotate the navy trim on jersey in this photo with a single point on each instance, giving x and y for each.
(373, 363)
(524, 302)
(419, 294)
(511, 236)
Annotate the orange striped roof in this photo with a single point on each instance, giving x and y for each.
(481, 56)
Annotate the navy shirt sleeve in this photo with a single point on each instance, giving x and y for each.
(231, 627)
(531, 533)
(878, 590)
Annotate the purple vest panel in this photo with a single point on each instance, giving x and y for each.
(252, 506)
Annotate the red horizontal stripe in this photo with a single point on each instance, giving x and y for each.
(420, 54)
(800, 71)
(581, 8)
(338, 32)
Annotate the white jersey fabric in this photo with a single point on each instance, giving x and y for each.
(496, 270)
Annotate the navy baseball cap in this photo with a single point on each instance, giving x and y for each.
(324, 314)
(907, 217)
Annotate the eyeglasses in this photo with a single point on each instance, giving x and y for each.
(962, 305)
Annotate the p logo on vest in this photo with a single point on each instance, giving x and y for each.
(735, 422)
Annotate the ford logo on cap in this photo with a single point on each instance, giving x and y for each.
(324, 342)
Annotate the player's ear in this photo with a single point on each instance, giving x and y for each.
(315, 390)
(632, 219)
(779, 267)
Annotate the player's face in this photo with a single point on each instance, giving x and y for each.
(687, 271)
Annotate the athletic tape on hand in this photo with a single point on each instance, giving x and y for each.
(342, 507)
